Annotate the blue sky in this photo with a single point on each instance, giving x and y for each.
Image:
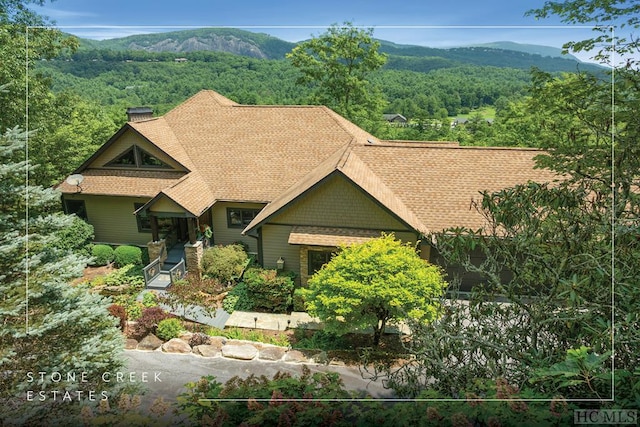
(406, 21)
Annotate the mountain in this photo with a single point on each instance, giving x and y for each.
(532, 49)
(401, 57)
(239, 42)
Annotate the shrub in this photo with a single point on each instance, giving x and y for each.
(299, 300)
(149, 320)
(119, 312)
(149, 299)
(102, 254)
(268, 291)
(237, 299)
(224, 263)
(169, 328)
(75, 237)
(125, 255)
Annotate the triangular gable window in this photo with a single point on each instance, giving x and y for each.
(136, 157)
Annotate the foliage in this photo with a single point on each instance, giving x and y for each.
(337, 63)
(252, 335)
(267, 291)
(299, 301)
(318, 340)
(126, 255)
(77, 237)
(45, 321)
(191, 293)
(119, 312)
(169, 328)
(238, 298)
(148, 321)
(224, 263)
(263, 401)
(149, 299)
(102, 254)
(373, 283)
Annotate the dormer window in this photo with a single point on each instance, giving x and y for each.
(136, 157)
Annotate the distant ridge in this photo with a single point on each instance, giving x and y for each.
(402, 57)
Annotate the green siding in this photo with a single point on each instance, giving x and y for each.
(113, 219)
(275, 245)
(338, 203)
(222, 234)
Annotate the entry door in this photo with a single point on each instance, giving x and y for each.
(182, 232)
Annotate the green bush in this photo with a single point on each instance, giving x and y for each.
(149, 299)
(102, 254)
(169, 328)
(268, 291)
(125, 255)
(224, 263)
(76, 237)
(237, 299)
(299, 300)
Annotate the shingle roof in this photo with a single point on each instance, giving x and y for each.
(329, 236)
(273, 154)
(114, 182)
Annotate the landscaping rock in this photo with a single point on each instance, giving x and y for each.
(272, 353)
(176, 345)
(150, 342)
(295, 356)
(241, 352)
(186, 336)
(199, 339)
(130, 344)
(320, 358)
(217, 341)
(206, 350)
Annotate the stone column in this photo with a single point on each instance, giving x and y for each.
(157, 249)
(193, 255)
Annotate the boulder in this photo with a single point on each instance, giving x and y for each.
(272, 353)
(176, 345)
(295, 356)
(130, 344)
(150, 342)
(207, 350)
(241, 352)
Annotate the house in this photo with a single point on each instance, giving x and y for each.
(291, 182)
(395, 118)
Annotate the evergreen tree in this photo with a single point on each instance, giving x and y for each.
(47, 325)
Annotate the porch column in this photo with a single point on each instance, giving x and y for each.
(155, 235)
(193, 255)
(191, 228)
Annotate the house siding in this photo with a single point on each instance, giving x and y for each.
(334, 203)
(275, 245)
(222, 234)
(338, 203)
(166, 205)
(113, 219)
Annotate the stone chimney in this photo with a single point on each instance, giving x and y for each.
(137, 114)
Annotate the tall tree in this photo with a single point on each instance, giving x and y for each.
(571, 246)
(337, 63)
(47, 325)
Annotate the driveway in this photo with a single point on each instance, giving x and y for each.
(165, 374)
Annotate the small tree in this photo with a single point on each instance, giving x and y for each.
(372, 283)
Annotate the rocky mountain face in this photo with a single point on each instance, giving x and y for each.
(212, 42)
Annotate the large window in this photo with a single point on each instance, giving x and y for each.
(317, 259)
(144, 222)
(75, 207)
(240, 218)
(136, 157)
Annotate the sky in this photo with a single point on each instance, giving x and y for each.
(419, 22)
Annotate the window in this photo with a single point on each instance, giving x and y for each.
(75, 207)
(144, 222)
(136, 157)
(317, 259)
(240, 218)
